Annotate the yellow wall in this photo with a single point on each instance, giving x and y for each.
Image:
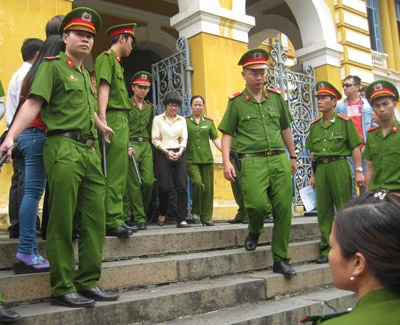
(20, 20)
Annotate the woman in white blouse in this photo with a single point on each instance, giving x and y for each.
(169, 135)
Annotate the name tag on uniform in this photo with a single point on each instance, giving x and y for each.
(272, 108)
(336, 134)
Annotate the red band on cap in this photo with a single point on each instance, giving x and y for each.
(123, 30)
(249, 61)
(382, 92)
(328, 91)
(141, 81)
(80, 22)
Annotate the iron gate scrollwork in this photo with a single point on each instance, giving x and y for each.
(297, 89)
(173, 73)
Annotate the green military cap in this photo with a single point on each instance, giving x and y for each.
(143, 78)
(81, 18)
(121, 29)
(1, 90)
(381, 88)
(325, 88)
(254, 59)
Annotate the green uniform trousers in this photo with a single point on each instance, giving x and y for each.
(333, 189)
(77, 191)
(138, 196)
(117, 167)
(202, 178)
(237, 191)
(268, 180)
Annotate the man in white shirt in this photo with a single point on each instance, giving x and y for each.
(29, 50)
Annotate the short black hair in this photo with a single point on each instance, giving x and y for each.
(126, 36)
(356, 79)
(172, 97)
(30, 47)
(195, 97)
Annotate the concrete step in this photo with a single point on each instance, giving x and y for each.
(170, 302)
(168, 239)
(275, 312)
(143, 272)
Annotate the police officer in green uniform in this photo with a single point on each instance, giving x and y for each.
(139, 195)
(114, 107)
(365, 258)
(383, 148)
(260, 119)
(200, 160)
(332, 138)
(62, 92)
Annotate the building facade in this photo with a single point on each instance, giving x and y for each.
(335, 37)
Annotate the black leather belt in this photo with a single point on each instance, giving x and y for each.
(139, 139)
(87, 141)
(328, 160)
(173, 149)
(264, 153)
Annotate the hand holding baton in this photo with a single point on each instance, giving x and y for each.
(136, 169)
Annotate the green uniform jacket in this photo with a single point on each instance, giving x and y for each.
(376, 307)
(109, 68)
(198, 150)
(140, 120)
(384, 153)
(338, 138)
(258, 125)
(67, 107)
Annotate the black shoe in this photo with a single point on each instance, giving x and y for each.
(208, 224)
(73, 299)
(98, 295)
(132, 229)
(269, 219)
(142, 226)
(245, 221)
(251, 241)
(322, 259)
(7, 315)
(130, 223)
(233, 221)
(13, 234)
(118, 231)
(283, 267)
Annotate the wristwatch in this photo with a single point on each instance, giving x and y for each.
(359, 169)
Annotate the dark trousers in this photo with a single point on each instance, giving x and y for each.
(172, 171)
(16, 192)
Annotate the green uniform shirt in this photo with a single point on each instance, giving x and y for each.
(338, 138)
(376, 307)
(257, 125)
(140, 120)
(109, 68)
(198, 150)
(384, 153)
(69, 100)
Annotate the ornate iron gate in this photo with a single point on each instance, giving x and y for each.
(298, 91)
(173, 73)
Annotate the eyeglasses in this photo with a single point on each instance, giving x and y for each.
(173, 105)
(347, 85)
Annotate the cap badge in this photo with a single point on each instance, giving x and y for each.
(143, 76)
(257, 55)
(378, 86)
(86, 16)
(321, 85)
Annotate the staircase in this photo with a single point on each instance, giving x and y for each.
(200, 275)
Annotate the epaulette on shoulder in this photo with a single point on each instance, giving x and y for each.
(316, 120)
(208, 118)
(53, 57)
(315, 318)
(274, 90)
(344, 117)
(373, 128)
(149, 102)
(107, 52)
(235, 95)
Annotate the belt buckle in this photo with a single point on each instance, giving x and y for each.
(140, 139)
(89, 143)
(268, 153)
(325, 160)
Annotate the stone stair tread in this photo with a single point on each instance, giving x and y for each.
(248, 313)
(252, 282)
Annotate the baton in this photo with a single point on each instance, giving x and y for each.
(103, 150)
(4, 157)
(136, 169)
